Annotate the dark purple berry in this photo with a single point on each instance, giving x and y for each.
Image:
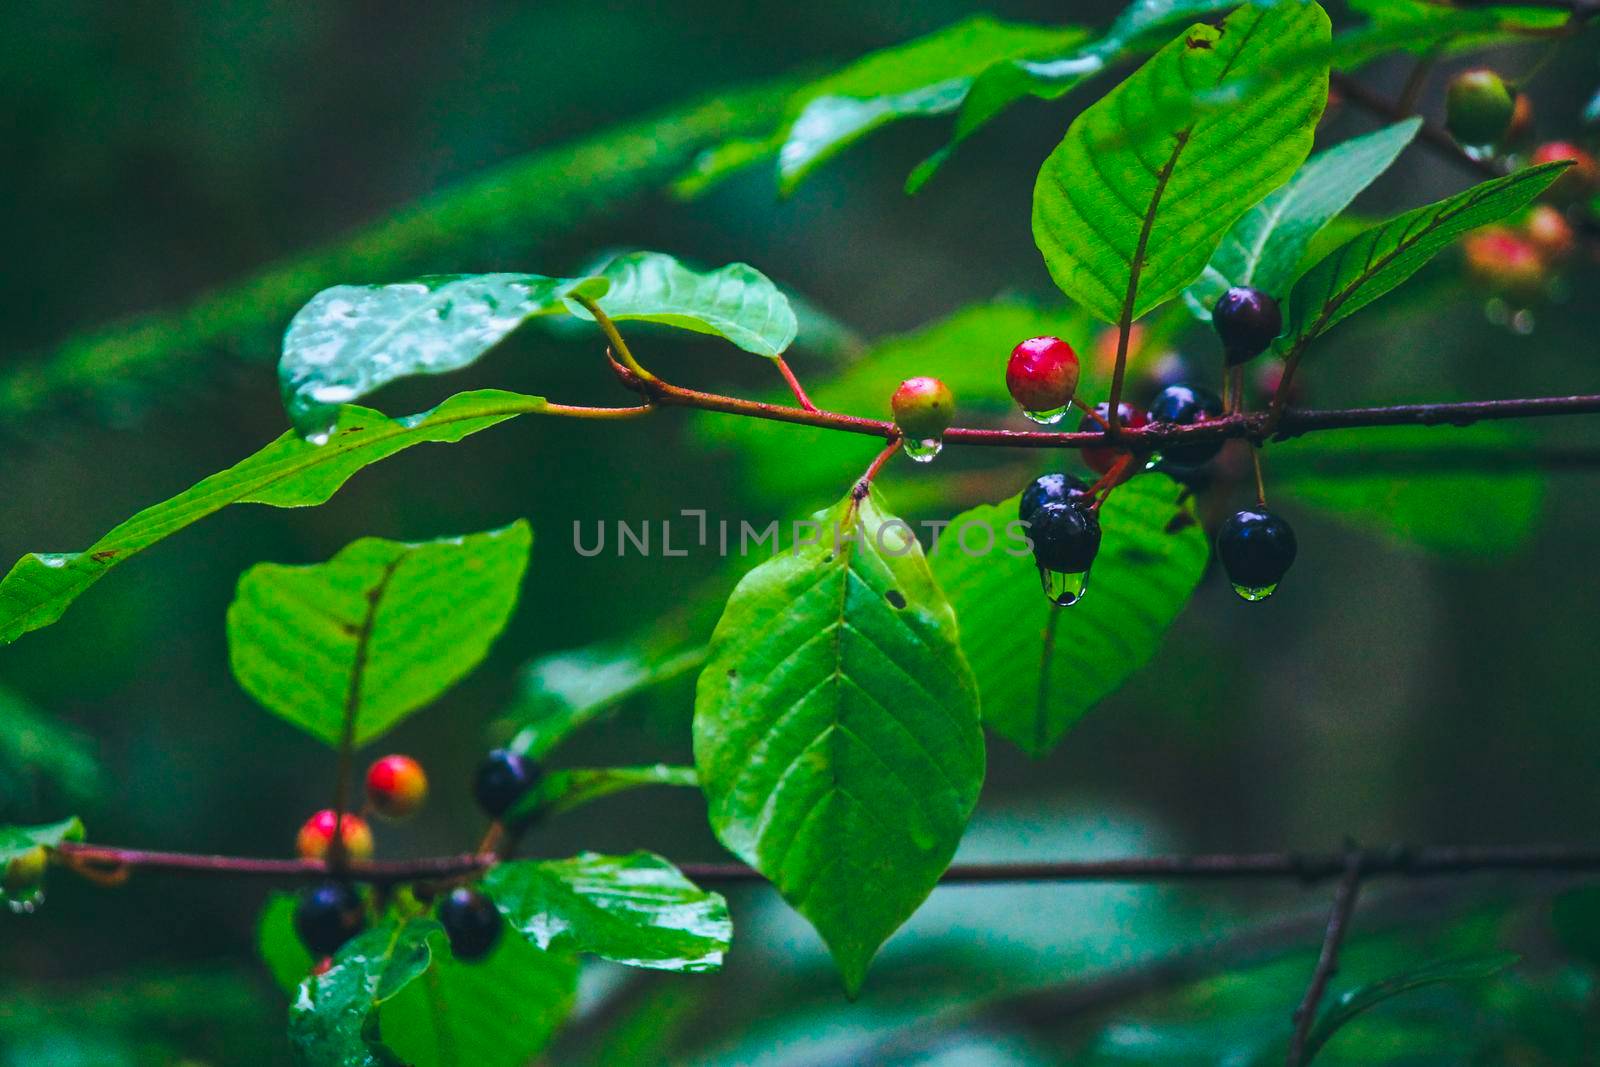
(1050, 489)
(471, 921)
(1186, 405)
(1065, 537)
(1247, 320)
(1256, 548)
(502, 779)
(328, 915)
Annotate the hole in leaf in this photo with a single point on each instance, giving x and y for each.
(895, 598)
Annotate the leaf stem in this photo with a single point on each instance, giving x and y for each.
(794, 384)
(865, 482)
(1344, 905)
(609, 328)
(352, 708)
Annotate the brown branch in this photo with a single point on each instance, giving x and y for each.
(1151, 437)
(377, 872)
(1344, 905)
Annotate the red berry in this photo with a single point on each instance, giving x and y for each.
(1580, 181)
(317, 834)
(1042, 375)
(1503, 262)
(923, 408)
(1548, 230)
(322, 967)
(1101, 458)
(396, 786)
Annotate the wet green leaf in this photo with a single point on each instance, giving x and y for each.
(736, 302)
(290, 472)
(573, 787)
(1265, 247)
(636, 909)
(1161, 167)
(16, 840)
(500, 1011)
(351, 340)
(333, 1021)
(836, 729)
(1374, 262)
(1040, 667)
(376, 632)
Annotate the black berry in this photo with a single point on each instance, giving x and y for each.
(1065, 537)
(502, 778)
(327, 916)
(1185, 405)
(1247, 320)
(1049, 489)
(1256, 548)
(471, 921)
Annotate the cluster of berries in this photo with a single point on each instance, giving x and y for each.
(330, 913)
(1061, 510)
(1518, 262)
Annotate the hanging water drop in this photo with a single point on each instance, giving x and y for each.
(25, 903)
(1062, 587)
(1253, 593)
(1522, 322)
(1050, 417)
(923, 450)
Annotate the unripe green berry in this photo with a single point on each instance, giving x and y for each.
(1479, 107)
(923, 408)
(26, 872)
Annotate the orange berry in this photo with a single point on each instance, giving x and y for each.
(1580, 181)
(396, 786)
(1500, 259)
(317, 834)
(1548, 230)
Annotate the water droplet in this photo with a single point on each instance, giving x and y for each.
(320, 437)
(1063, 589)
(1047, 418)
(1253, 593)
(25, 903)
(924, 450)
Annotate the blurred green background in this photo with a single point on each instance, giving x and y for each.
(158, 150)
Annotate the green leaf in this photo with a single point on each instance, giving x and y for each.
(564, 790)
(1374, 262)
(1434, 488)
(1050, 77)
(1265, 247)
(637, 909)
(836, 729)
(38, 750)
(333, 1021)
(290, 472)
(1039, 667)
(736, 302)
(351, 340)
(280, 947)
(926, 76)
(376, 632)
(500, 1011)
(564, 691)
(1161, 167)
(1356, 1001)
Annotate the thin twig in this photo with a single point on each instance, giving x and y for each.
(794, 384)
(1344, 905)
(864, 484)
(352, 711)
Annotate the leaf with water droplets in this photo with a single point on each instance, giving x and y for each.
(1040, 667)
(376, 632)
(1377, 260)
(351, 340)
(836, 729)
(288, 473)
(1149, 178)
(736, 302)
(636, 909)
(333, 1021)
